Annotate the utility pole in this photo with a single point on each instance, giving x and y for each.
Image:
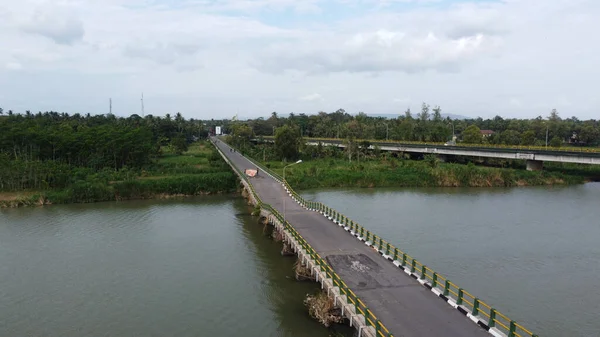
(143, 114)
(547, 126)
(110, 106)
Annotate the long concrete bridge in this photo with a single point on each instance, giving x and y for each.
(534, 156)
(381, 290)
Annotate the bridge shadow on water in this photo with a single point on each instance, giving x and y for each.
(282, 294)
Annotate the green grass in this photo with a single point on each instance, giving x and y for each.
(201, 170)
(589, 172)
(200, 158)
(392, 172)
(183, 159)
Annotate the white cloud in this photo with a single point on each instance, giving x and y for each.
(210, 58)
(312, 97)
(56, 22)
(375, 52)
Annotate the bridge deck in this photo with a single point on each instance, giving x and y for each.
(405, 307)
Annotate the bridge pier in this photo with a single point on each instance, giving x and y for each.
(534, 165)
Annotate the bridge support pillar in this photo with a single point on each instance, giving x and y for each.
(443, 158)
(534, 165)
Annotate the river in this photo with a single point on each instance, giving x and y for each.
(532, 253)
(203, 267)
(192, 267)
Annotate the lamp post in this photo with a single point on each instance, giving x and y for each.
(284, 197)
(386, 131)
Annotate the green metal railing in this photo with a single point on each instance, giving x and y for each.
(351, 298)
(485, 312)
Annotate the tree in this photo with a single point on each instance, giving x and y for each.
(555, 142)
(352, 147)
(472, 135)
(287, 142)
(241, 134)
(510, 137)
(353, 130)
(364, 147)
(179, 144)
(589, 134)
(554, 116)
(528, 137)
(432, 160)
(437, 114)
(424, 114)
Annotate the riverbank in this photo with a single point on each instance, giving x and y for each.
(393, 172)
(198, 171)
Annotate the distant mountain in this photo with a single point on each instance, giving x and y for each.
(454, 116)
(392, 116)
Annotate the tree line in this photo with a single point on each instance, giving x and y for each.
(51, 149)
(428, 125)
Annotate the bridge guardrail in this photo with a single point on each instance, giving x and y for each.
(474, 306)
(351, 298)
(591, 150)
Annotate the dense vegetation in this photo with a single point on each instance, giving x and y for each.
(54, 157)
(57, 158)
(428, 125)
(359, 165)
(331, 168)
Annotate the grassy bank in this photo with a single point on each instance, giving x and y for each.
(393, 172)
(198, 171)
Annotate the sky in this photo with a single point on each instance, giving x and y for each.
(215, 58)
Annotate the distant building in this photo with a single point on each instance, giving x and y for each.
(574, 139)
(486, 133)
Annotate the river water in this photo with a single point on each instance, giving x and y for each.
(203, 267)
(193, 267)
(532, 253)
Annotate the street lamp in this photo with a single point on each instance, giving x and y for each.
(284, 197)
(386, 131)
(547, 129)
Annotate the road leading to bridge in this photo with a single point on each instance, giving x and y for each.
(405, 307)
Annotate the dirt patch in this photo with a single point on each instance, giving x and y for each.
(11, 196)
